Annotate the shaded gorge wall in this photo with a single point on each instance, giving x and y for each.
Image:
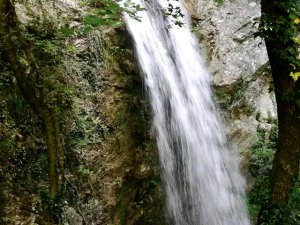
(111, 173)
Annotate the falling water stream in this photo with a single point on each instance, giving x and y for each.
(202, 180)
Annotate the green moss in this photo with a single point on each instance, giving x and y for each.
(219, 2)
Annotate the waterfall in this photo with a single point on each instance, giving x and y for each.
(202, 181)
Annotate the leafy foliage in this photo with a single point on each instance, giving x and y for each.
(260, 168)
(284, 29)
(109, 13)
(295, 75)
(67, 31)
(47, 51)
(175, 13)
(263, 152)
(219, 2)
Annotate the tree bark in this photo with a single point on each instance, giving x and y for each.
(285, 168)
(15, 47)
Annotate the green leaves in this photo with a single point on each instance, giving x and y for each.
(295, 75)
(109, 13)
(219, 2)
(66, 31)
(93, 20)
(175, 13)
(104, 13)
(282, 30)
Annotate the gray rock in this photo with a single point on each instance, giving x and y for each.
(71, 217)
(237, 61)
(227, 35)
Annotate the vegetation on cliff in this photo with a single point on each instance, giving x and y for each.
(101, 127)
(74, 121)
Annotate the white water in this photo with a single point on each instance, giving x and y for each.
(202, 180)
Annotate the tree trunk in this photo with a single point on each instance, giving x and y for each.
(55, 151)
(14, 47)
(286, 162)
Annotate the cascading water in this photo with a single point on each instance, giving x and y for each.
(202, 180)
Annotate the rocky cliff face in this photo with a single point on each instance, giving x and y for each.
(111, 173)
(239, 66)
